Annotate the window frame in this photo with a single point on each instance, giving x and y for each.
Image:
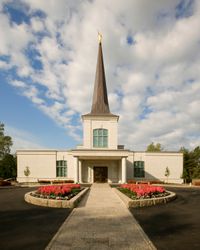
(100, 138)
(61, 168)
(139, 169)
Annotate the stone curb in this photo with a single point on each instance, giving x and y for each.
(55, 203)
(177, 186)
(145, 202)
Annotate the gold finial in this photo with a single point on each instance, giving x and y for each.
(100, 37)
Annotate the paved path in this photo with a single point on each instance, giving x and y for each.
(101, 221)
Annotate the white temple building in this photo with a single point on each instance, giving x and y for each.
(100, 158)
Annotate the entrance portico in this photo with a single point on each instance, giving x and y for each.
(86, 161)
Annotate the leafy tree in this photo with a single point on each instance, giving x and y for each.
(8, 166)
(154, 147)
(5, 142)
(191, 165)
(167, 173)
(195, 154)
(187, 170)
(27, 171)
(196, 173)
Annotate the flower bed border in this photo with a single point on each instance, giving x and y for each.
(55, 203)
(144, 202)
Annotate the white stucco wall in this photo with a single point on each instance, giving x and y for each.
(93, 122)
(42, 164)
(155, 165)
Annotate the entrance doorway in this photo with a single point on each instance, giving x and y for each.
(100, 174)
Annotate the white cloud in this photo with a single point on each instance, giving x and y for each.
(4, 65)
(22, 139)
(153, 83)
(13, 37)
(37, 24)
(17, 83)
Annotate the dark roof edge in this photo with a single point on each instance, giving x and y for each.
(101, 115)
(104, 150)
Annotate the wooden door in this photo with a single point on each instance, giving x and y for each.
(100, 174)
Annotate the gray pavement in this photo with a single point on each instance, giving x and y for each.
(174, 225)
(25, 226)
(101, 221)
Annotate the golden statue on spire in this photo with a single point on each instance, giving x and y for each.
(100, 37)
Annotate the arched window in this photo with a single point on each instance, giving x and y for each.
(100, 138)
(139, 169)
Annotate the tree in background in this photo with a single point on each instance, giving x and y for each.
(167, 173)
(154, 147)
(27, 171)
(5, 142)
(196, 159)
(187, 170)
(8, 165)
(191, 164)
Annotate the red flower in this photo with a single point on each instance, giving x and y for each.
(143, 190)
(57, 190)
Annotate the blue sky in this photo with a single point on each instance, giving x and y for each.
(18, 111)
(48, 52)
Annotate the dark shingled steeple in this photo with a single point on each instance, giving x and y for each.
(100, 105)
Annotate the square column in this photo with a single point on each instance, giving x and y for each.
(76, 170)
(80, 171)
(123, 169)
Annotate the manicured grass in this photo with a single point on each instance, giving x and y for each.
(128, 193)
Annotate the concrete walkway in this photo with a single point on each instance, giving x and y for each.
(101, 221)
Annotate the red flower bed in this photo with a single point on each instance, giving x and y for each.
(144, 190)
(53, 191)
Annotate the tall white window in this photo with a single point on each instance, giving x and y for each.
(61, 168)
(139, 169)
(100, 138)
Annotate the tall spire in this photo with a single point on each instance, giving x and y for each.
(100, 105)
